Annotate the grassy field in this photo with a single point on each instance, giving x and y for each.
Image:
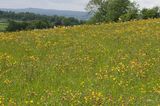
(114, 64)
(3, 26)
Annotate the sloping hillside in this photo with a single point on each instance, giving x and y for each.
(109, 64)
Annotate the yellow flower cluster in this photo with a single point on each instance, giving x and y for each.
(95, 98)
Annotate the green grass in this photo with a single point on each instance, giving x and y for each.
(108, 64)
(3, 26)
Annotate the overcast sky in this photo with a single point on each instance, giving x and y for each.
(77, 5)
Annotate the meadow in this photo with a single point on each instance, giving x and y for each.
(116, 64)
(3, 26)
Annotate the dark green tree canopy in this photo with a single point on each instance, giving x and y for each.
(110, 10)
(119, 10)
(150, 13)
(28, 21)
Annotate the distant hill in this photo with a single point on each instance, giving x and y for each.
(50, 12)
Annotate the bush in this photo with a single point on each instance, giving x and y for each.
(17, 26)
(150, 13)
(131, 15)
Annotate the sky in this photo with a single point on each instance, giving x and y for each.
(75, 5)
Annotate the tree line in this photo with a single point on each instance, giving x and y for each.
(119, 10)
(27, 21)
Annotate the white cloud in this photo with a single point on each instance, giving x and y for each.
(62, 4)
(48, 4)
(148, 3)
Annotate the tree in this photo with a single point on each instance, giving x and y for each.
(109, 10)
(150, 13)
(132, 14)
(16, 26)
(27, 17)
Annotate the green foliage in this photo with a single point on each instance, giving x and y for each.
(130, 15)
(116, 8)
(119, 10)
(71, 21)
(27, 21)
(39, 25)
(109, 10)
(41, 19)
(17, 26)
(150, 13)
(3, 26)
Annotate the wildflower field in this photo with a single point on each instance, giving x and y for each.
(114, 64)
